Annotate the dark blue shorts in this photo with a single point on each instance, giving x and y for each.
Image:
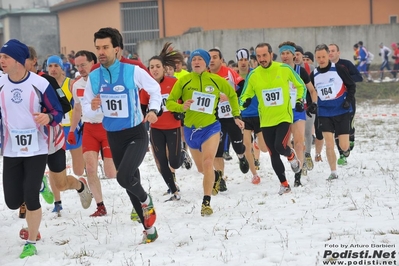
(299, 115)
(195, 137)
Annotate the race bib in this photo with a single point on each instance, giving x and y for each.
(203, 102)
(224, 110)
(164, 98)
(273, 97)
(326, 91)
(24, 141)
(114, 105)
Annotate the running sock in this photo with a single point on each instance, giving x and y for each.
(206, 199)
(82, 187)
(150, 230)
(100, 204)
(147, 201)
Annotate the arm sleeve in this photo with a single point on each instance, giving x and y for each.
(248, 91)
(143, 80)
(172, 103)
(353, 71)
(231, 94)
(52, 105)
(240, 87)
(300, 86)
(347, 80)
(66, 106)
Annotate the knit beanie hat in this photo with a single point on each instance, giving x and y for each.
(242, 54)
(200, 52)
(16, 50)
(309, 55)
(55, 59)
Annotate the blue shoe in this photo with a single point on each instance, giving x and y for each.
(57, 207)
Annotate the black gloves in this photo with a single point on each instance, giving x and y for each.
(178, 116)
(347, 103)
(247, 102)
(312, 109)
(299, 106)
(393, 57)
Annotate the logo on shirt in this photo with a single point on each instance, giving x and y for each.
(119, 88)
(104, 87)
(209, 89)
(331, 80)
(16, 95)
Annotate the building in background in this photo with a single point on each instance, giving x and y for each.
(37, 27)
(153, 19)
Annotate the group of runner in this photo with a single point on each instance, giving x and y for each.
(104, 112)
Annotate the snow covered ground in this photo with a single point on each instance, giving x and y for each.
(251, 224)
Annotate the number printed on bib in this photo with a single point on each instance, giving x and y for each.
(114, 106)
(164, 98)
(224, 110)
(203, 102)
(326, 91)
(24, 141)
(273, 97)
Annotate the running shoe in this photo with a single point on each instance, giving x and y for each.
(206, 209)
(85, 195)
(216, 185)
(284, 190)
(187, 162)
(24, 234)
(134, 216)
(297, 182)
(226, 156)
(295, 163)
(101, 211)
(308, 161)
(149, 213)
(332, 177)
(342, 160)
(244, 166)
(29, 250)
(223, 186)
(149, 238)
(46, 193)
(255, 180)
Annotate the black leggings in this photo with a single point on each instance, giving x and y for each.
(171, 139)
(22, 180)
(352, 128)
(128, 148)
(276, 139)
(235, 134)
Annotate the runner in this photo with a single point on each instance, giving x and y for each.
(200, 92)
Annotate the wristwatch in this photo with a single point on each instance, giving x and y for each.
(153, 110)
(237, 117)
